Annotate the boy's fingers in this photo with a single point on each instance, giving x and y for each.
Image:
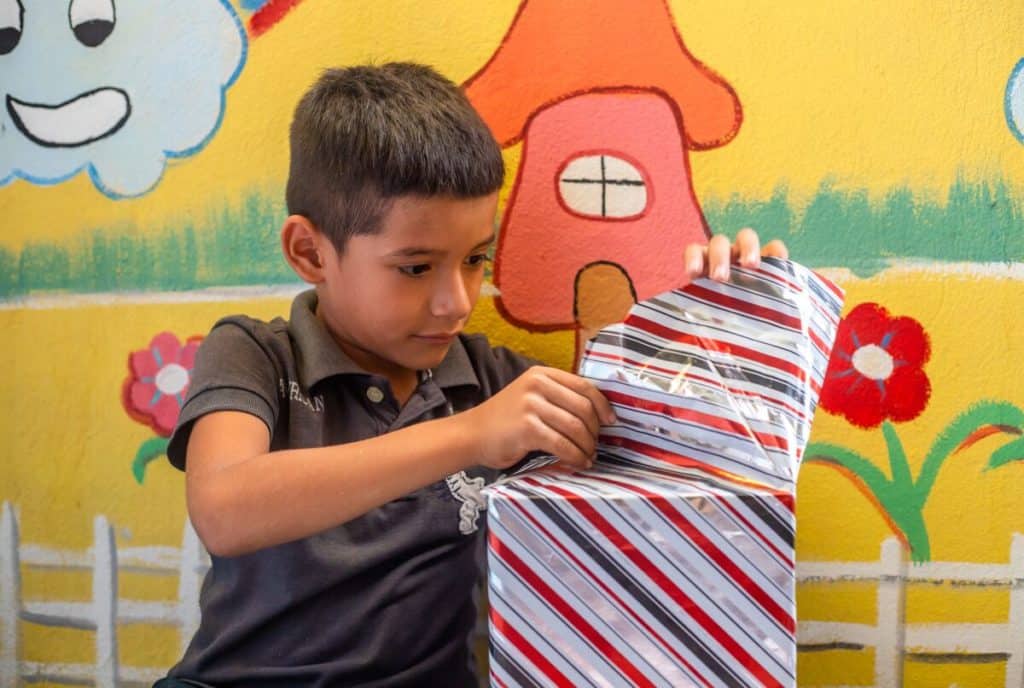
(575, 405)
(776, 249)
(719, 255)
(748, 248)
(571, 427)
(553, 442)
(693, 260)
(585, 388)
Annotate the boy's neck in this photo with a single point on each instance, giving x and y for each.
(403, 380)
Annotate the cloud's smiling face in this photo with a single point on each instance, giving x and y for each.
(81, 119)
(111, 86)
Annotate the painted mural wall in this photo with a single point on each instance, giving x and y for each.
(143, 152)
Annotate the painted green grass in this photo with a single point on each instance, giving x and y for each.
(237, 244)
(975, 222)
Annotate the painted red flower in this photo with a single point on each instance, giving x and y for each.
(155, 389)
(876, 370)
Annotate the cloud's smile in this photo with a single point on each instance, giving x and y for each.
(83, 119)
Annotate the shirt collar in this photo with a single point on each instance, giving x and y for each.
(320, 357)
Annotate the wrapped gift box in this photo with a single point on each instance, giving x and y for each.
(671, 563)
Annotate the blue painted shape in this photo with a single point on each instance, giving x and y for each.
(1014, 101)
(154, 90)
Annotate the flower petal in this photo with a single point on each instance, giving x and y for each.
(129, 406)
(142, 364)
(907, 393)
(187, 357)
(868, 324)
(140, 396)
(165, 415)
(909, 343)
(166, 348)
(840, 375)
(863, 403)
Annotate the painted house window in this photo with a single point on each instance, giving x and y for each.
(603, 186)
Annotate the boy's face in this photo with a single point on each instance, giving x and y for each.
(395, 300)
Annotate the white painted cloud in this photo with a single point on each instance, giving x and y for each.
(112, 87)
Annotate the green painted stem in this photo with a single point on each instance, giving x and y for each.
(151, 449)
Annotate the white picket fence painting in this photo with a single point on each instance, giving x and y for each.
(892, 640)
(104, 612)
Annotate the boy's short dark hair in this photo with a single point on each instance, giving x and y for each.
(363, 135)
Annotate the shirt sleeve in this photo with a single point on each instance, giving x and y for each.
(234, 371)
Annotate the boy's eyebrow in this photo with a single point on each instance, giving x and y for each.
(488, 241)
(423, 251)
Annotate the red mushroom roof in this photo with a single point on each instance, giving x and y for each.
(559, 48)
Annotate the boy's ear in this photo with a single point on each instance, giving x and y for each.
(304, 247)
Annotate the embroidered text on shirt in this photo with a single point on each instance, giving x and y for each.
(290, 390)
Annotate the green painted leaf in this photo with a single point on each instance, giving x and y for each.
(872, 476)
(985, 413)
(1008, 453)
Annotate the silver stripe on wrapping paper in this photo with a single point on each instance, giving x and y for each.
(586, 598)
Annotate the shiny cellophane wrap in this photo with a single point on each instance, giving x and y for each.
(671, 562)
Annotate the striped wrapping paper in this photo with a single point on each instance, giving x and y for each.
(671, 562)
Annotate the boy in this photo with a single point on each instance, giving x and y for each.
(333, 461)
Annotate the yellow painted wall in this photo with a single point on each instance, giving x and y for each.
(873, 95)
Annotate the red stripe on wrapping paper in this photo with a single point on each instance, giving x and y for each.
(679, 596)
(751, 395)
(526, 648)
(745, 307)
(553, 539)
(678, 519)
(571, 616)
(682, 461)
(761, 536)
(787, 501)
(818, 344)
(830, 286)
(496, 680)
(697, 417)
(717, 346)
(770, 272)
(690, 375)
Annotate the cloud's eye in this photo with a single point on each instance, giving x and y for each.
(91, 20)
(11, 14)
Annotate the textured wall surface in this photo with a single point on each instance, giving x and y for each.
(141, 190)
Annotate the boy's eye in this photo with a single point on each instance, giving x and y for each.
(477, 259)
(413, 270)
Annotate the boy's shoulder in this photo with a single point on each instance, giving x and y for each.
(283, 342)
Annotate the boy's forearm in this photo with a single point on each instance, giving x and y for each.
(285, 495)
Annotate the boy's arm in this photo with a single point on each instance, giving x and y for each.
(242, 497)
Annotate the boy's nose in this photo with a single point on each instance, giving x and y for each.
(452, 300)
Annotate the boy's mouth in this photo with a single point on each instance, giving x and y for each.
(437, 337)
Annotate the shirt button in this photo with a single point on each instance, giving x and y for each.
(374, 394)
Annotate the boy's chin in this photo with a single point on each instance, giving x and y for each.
(426, 357)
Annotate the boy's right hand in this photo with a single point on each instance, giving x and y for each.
(544, 409)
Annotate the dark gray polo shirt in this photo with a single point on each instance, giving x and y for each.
(383, 600)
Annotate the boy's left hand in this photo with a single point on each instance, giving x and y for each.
(713, 260)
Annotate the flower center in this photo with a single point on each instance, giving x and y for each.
(872, 361)
(171, 379)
